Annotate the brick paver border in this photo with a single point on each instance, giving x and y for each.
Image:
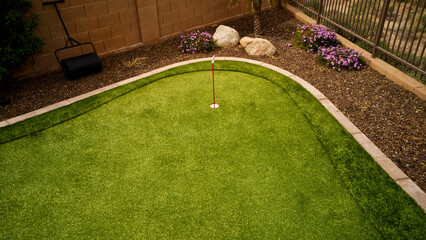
(399, 176)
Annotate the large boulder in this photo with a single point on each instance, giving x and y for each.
(257, 46)
(226, 36)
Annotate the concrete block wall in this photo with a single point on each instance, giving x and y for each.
(178, 15)
(113, 25)
(108, 24)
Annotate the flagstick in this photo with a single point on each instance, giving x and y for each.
(214, 99)
(214, 105)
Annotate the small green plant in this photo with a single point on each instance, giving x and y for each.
(17, 40)
(421, 21)
(137, 61)
(196, 42)
(311, 37)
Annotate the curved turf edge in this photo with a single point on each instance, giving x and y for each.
(389, 209)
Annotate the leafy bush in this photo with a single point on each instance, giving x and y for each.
(311, 37)
(16, 38)
(196, 42)
(340, 58)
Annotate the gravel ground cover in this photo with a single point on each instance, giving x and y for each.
(392, 117)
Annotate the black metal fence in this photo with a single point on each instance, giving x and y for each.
(390, 29)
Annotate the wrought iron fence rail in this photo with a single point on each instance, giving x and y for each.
(365, 21)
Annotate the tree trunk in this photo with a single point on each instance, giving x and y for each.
(278, 5)
(256, 17)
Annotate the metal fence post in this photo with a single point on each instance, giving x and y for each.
(319, 12)
(380, 29)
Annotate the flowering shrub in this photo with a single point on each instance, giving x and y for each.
(196, 42)
(323, 40)
(312, 37)
(340, 58)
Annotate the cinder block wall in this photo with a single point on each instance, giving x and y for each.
(113, 25)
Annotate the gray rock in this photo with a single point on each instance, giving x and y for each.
(226, 36)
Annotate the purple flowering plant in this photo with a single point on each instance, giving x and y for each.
(340, 58)
(196, 42)
(330, 52)
(311, 37)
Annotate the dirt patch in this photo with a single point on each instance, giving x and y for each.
(392, 117)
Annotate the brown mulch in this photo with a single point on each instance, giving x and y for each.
(392, 117)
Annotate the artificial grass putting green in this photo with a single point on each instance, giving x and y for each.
(157, 162)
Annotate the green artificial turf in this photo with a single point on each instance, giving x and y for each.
(152, 160)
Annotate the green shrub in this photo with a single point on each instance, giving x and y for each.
(16, 37)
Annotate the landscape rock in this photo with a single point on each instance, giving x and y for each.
(257, 46)
(246, 41)
(226, 36)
